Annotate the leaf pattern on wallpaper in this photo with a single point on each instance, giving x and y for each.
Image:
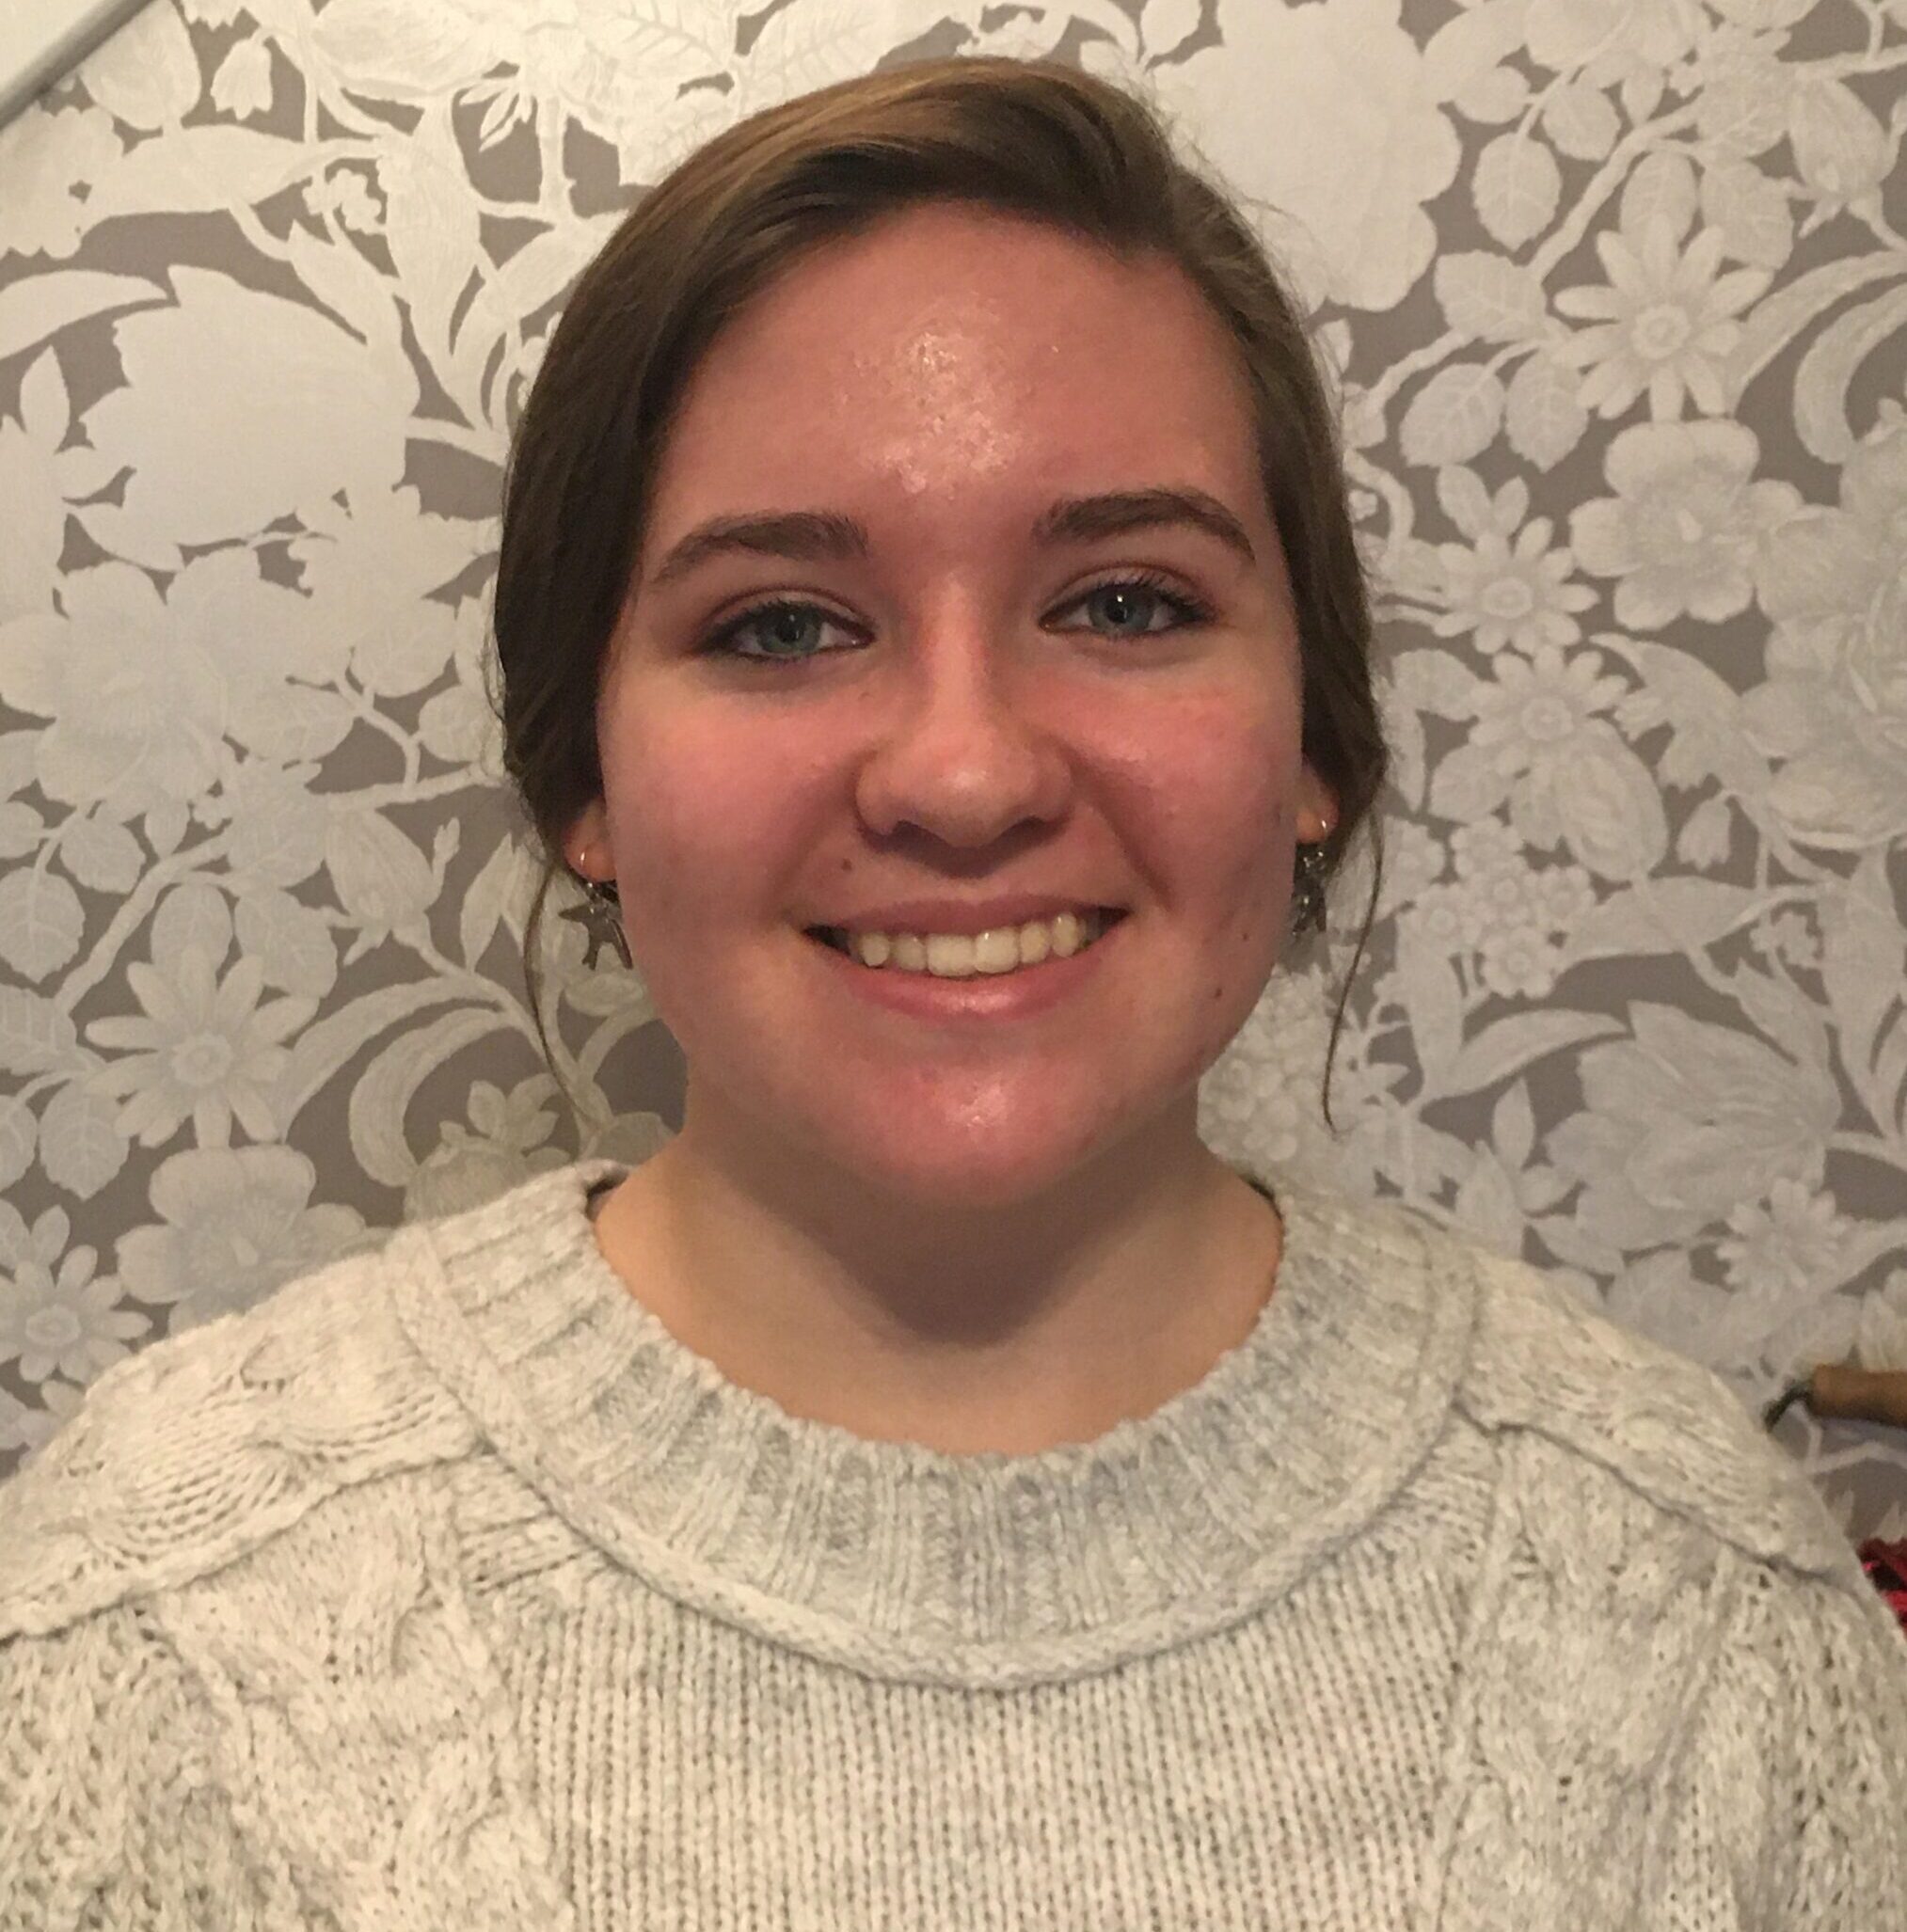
(1612, 301)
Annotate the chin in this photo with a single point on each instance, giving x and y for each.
(974, 1167)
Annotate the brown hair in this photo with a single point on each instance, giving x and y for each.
(1035, 138)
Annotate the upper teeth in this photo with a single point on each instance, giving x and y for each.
(959, 954)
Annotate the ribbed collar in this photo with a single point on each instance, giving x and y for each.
(985, 1570)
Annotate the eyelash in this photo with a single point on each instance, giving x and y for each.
(720, 644)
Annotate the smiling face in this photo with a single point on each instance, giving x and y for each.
(962, 712)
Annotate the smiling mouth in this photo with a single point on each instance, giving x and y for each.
(835, 939)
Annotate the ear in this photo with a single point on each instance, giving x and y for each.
(589, 833)
(1317, 806)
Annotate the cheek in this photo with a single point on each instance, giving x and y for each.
(699, 813)
(1225, 802)
(1222, 778)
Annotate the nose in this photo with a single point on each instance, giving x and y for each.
(962, 751)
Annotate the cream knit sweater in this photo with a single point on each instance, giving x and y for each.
(446, 1591)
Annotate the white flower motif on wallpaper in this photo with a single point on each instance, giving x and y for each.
(594, 61)
(1666, 322)
(1789, 1245)
(140, 733)
(509, 1135)
(205, 1047)
(1289, 93)
(234, 1223)
(136, 733)
(1684, 1122)
(1601, 44)
(1685, 528)
(55, 1314)
(39, 213)
(1511, 919)
(1507, 585)
(1834, 706)
(258, 378)
(1609, 296)
(1541, 743)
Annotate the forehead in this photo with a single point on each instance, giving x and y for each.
(948, 347)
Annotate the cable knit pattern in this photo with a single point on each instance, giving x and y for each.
(446, 1589)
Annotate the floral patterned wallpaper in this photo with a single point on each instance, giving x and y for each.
(1617, 295)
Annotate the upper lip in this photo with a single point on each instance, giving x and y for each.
(960, 915)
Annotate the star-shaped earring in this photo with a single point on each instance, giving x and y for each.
(601, 917)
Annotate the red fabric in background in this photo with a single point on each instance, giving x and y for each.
(1886, 1564)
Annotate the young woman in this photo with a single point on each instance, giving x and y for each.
(933, 1489)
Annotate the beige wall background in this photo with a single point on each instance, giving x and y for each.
(1617, 294)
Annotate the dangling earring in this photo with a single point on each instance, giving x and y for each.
(1308, 891)
(599, 915)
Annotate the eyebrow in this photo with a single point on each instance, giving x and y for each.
(815, 535)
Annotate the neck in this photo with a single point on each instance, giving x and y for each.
(1046, 1324)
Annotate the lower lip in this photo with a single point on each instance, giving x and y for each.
(1016, 995)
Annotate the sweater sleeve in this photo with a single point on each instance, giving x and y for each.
(1834, 1733)
(110, 1819)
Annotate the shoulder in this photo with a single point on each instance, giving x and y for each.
(1666, 1630)
(1590, 1399)
(203, 1446)
(1584, 1407)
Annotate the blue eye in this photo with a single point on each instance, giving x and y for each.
(1150, 587)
